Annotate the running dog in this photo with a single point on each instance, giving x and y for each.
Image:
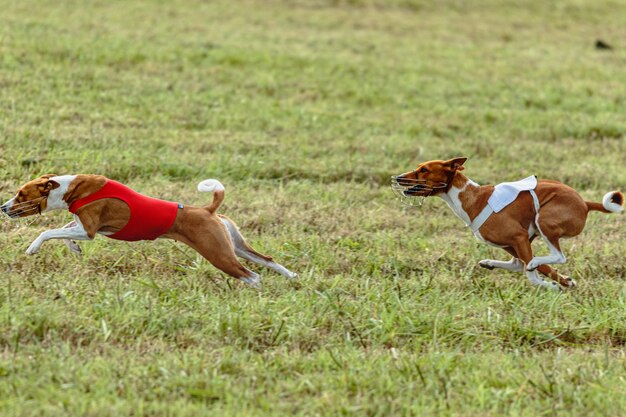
(510, 215)
(106, 207)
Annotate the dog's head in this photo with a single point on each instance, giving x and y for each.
(428, 179)
(31, 198)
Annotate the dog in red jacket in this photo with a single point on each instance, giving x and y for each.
(103, 206)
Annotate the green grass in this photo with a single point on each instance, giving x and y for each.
(303, 109)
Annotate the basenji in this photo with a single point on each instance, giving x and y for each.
(550, 209)
(106, 207)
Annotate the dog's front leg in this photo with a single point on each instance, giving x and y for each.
(76, 232)
(514, 264)
(71, 245)
(522, 250)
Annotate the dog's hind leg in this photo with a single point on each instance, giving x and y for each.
(516, 265)
(563, 216)
(245, 251)
(555, 256)
(229, 264)
(218, 250)
(524, 253)
(551, 273)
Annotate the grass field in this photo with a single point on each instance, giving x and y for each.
(303, 109)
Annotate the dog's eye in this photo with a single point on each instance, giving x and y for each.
(423, 170)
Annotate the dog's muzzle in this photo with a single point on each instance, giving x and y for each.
(6, 208)
(407, 189)
(26, 208)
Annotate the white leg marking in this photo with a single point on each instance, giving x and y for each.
(514, 264)
(254, 280)
(555, 257)
(71, 245)
(270, 264)
(534, 279)
(241, 251)
(76, 232)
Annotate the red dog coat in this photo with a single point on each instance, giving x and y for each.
(149, 217)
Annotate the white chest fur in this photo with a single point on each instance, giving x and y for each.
(453, 200)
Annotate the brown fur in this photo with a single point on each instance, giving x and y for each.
(563, 212)
(474, 198)
(83, 186)
(205, 232)
(198, 227)
(35, 191)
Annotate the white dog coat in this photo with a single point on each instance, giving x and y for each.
(503, 195)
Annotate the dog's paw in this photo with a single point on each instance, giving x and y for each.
(33, 248)
(570, 282)
(486, 263)
(532, 265)
(253, 281)
(73, 246)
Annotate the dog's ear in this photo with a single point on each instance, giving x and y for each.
(456, 164)
(45, 184)
(51, 185)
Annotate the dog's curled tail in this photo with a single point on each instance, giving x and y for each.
(612, 202)
(215, 187)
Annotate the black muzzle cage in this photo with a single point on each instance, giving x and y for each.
(414, 185)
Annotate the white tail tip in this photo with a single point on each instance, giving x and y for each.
(210, 186)
(613, 201)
